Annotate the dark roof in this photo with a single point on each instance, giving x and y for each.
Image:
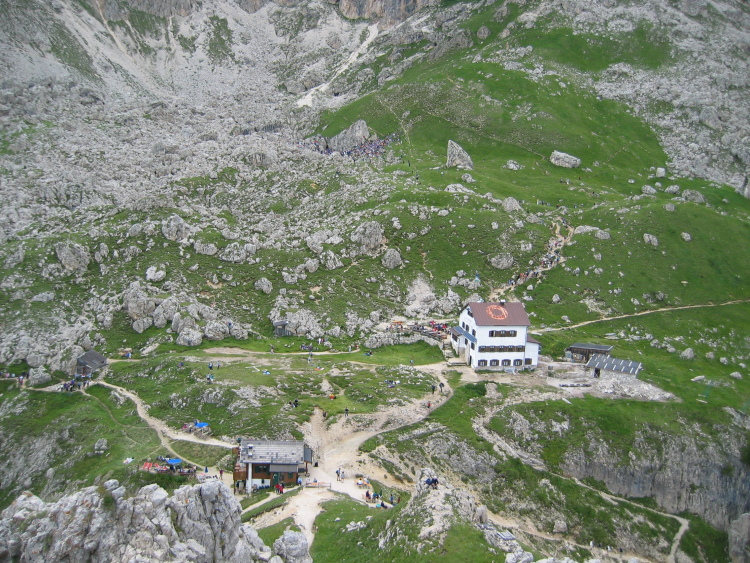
(608, 363)
(499, 314)
(461, 332)
(532, 339)
(92, 359)
(282, 322)
(281, 452)
(592, 347)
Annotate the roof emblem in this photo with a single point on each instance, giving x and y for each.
(497, 312)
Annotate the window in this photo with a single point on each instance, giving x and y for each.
(517, 362)
(483, 348)
(455, 337)
(494, 362)
(527, 361)
(261, 468)
(473, 346)
(520, 348)
(512, 333)
(506, 362)
(468, 311)
(482, 363)
(473, 332)
(503, 333)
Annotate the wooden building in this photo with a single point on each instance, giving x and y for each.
(580, 352)
(264, 463)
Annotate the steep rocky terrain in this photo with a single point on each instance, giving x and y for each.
(176, 173)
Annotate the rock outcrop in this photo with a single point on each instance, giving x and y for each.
(101, 524)
(458, 157)
(351, 137)
(564, 159)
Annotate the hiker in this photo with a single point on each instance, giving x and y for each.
(429, 405)
(433, 388)
(346, 411)
(221, 474)
(441, 387)
(338, 475)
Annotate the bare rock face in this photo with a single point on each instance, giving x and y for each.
(72, 256)
(98, 524)
(739, 539)
(564, 159)
(458, 157)
(388, 12)
(352, 137)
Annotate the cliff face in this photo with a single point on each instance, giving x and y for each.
(198, 523)
(389, 12)
(682, 475)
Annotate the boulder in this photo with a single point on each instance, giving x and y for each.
(216, 330)
(208, 249)
(511, 204)
(694, 196)
(233, 253)
(650, 239)
(483, 32)
(153, 274)
(292, 547)
(39, 376)
(174, 228)
(72, 256)
(392, 259)
(502, 261)
(687, 354)
(648, 190)
(190, 337)
(369, 236)
(602, 235)
(142, 324)
(564, 159)
(351, 137)
(513, 165)
(686, 237)
(458, 157)
(264, 285)
(331, 260)
(560, 527)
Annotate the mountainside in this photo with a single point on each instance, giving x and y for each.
(179, 175)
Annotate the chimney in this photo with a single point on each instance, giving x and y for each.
(502, 302)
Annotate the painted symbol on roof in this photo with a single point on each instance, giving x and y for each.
(497, 312)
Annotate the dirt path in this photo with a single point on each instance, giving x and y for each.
(640, 314)
(336, 443)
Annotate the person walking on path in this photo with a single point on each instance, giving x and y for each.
(441, 387)
(346, 411)
(433, 388)
(221, 474)
(338, 475)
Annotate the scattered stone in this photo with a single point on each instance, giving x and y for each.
(698, 378)
(692, 195)
(669, 207)
(648, 190)
(602, 235)
(686, 237)
(513, 165)
(174, 228)
(502, 261)
(556, 298)
(650, 239)
(661, 173)
(735, 375)
(155, 275)
(264, 285)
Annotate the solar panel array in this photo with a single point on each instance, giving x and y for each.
(608, 363)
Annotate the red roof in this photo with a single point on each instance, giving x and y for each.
(499, 314)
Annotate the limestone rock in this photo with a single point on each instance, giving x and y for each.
(602, 235)
(369, 236)
(560, 527)
(331, 260)
(292, 547)
(483, 32)
(556, 298)
(190, 337)
(686, 237)
(142, 324)
(39, 376)
(735, 375)
(153, 274)
(197, 523)
(351, 137)
(208, 249)
(215, 330)
(669, 207)
(688, 354)
(458, 157)
(137, 302)
(648, 190)
(511, 204)
(502, 261)
(72, 256)
(650, 239)
(513, 165)
(739, 539)
(264, 285)
(392, 259)
(694, 196)
(174, 228)
(233, 253)
(564, 159)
